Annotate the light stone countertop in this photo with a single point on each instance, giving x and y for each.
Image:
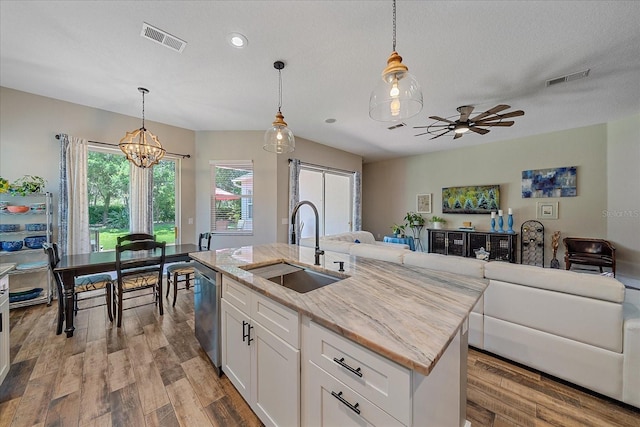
(407, 314)
(6, 267)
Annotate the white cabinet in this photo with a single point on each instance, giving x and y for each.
(345, 384)
(4, 328)
(260, 353)
(30, 227)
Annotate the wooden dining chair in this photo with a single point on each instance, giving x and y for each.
(139, 265)
(182, 272)
(93, 282)
(132, 237)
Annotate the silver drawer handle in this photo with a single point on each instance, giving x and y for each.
(354, 408)
(342, 363)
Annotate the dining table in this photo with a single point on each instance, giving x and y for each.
(72, 266)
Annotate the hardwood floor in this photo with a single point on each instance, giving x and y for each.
(152, 372)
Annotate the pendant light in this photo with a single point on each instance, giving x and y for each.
(398, 96)
(141, 147)
(279, 138)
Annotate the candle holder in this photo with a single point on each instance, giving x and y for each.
(493, 224)
(501, 224)
(510, 223)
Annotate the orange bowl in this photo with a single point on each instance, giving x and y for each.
(18, 209)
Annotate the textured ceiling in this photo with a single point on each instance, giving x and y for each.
(478, 53)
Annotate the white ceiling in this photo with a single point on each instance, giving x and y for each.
(477, 53)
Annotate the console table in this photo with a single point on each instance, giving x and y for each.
(501, 246)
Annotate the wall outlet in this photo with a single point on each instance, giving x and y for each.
(190, 221)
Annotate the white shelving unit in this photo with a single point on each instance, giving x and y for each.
(37, 277)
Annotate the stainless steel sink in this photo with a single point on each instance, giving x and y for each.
(294, 277)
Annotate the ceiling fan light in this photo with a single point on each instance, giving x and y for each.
(461, 129)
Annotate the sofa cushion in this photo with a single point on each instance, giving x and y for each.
(588, 320)
(570, 282)
(451, 264)
(378, 252)
(588, 366)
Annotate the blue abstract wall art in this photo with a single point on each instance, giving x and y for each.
(556, 182)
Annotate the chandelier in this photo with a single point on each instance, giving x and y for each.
(141, 147)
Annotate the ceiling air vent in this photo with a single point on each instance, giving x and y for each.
(399, 125)
(162, 37)
(568, 78)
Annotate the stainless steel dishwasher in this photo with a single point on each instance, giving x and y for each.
(207, 292)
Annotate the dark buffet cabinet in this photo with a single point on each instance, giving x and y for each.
(501, 246)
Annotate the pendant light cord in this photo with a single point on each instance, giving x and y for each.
(143, 128)
(394, 25)
(279, 90)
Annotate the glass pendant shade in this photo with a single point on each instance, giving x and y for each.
(142, 148)
(398, 95)
(279, 138)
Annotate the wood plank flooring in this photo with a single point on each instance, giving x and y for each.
(152, 372)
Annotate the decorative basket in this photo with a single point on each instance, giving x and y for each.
(35, 242)
(35, 227)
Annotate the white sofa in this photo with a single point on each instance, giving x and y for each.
(359, 243)
(580, 327)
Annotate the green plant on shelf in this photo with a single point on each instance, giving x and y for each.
(398, 230)
(414, 219)
(28, 184)
(438, 219)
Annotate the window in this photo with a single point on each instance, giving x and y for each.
(109, 199)
(232, 197)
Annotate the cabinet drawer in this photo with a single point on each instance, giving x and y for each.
(237, 294)
(278, 319)
(378, 379)
(325, 408)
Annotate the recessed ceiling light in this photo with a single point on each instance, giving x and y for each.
(237, 40)
(330, 121)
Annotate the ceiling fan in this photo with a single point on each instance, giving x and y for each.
(465, 123)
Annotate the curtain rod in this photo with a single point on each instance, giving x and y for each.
(184, 156)
(323, 167)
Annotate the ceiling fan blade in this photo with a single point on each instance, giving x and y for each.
(494, 110)
(458, 135)
(478, 130)
(440, 119)
(432, 126)
(504, 124)
(420, 134)
(509, 114)
(464, 112)
(439, 135)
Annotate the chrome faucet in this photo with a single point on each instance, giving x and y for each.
(293, 227)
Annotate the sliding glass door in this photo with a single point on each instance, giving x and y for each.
(332, 193)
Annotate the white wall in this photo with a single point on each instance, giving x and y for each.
(623, 193)
(390, 187)
(237, 145)
(28, 146)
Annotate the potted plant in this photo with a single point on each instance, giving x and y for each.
(437, 221)
(28, 184)
(398, 230)
(414, 219)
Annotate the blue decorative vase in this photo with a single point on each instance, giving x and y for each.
(501, 224)
(493, 224)
(510, 223)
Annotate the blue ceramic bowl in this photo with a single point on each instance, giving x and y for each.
(35, 227)
(9, 227)
(35, 242)
(12, 246)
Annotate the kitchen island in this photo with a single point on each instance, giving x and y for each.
(409, 318)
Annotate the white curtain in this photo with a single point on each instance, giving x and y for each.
(74, 200)
(141, 200)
